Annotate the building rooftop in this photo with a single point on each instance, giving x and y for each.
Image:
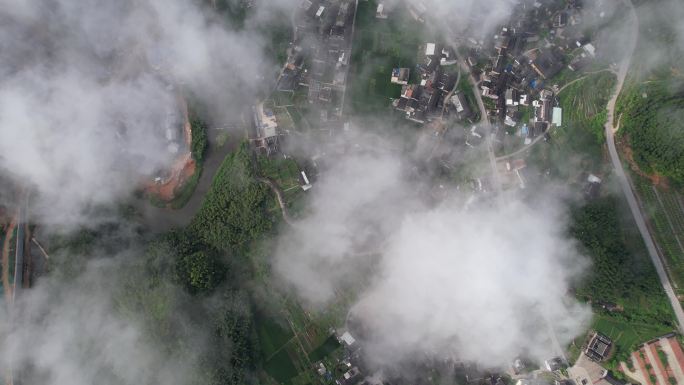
(265, 121)
(430, 49)
(557, 116)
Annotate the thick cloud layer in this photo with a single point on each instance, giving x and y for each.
(478, 285)
(354, 207)
(460, 18)
(90, 87)
(477, 282)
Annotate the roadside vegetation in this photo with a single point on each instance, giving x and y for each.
(664, 210)
(198, 146)
(651, 117)
(622, 286)
(285, 173)
(628, 301)
(649, 110)
(466, 88)
(584, 103)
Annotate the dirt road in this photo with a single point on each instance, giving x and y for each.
(279, 195)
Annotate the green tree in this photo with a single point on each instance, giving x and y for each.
(200, 272)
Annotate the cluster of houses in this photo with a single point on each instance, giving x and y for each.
(347, 367)
(330, 21)
(516, 69)
(429, 96)
(318, 63)
(343, 368)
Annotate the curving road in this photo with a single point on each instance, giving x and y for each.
(624, 180)
(279, 196)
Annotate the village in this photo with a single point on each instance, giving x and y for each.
(497, 93)
(460, 89)
(379, 159)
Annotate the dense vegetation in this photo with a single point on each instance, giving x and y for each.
(651, 118)
(232, 212)
(199, 142)
(649, 109)
(232, 215)
(663, 207)
(188, 285)
(621, 276)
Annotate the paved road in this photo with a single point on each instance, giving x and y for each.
(625, 182)
(351, 47)
(484, 122)
(19, 255)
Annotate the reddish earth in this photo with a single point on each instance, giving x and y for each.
(628, 155)
(642, 366)
(181, 171)
(667, 373)
(677, 351)
(183, 168)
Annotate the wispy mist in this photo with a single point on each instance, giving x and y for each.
(90, 89)
(478, 282)
(70, 331)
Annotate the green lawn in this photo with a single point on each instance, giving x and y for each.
(274, 340)
(284, 171)
(329, 346)
(584, 103)
(272, 336)
(467, 89)
(281, 368)
(626, 335)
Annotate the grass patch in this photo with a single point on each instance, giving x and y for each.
(284, 171)
(626, 335)
(272, 336)
(283, 118)
(584, 103)
(466, 88)
(281, 368)
(330, 345)
(379, 46)
(273, 343)
(222, 138)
